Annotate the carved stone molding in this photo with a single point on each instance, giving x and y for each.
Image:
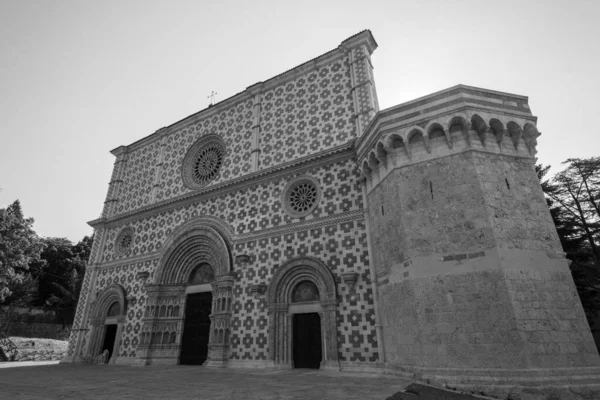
(143, 276)
(279, 299)
(242, 259)
(258, 290)
(350, 279)
(131, 300)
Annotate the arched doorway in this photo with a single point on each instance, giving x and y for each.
(302, 305)
(107, 319)
(198, 307)
(193, 277)
(307, 346)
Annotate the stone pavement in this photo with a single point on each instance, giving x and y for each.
(76, 381)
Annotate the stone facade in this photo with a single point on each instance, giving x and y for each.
(423, 228)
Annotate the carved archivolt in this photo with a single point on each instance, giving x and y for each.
(280, 297)
(295, 271)
(198, 241)
(105, 299)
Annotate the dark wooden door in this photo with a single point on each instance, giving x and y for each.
(307, 340)
(109, 339)
(196, 329)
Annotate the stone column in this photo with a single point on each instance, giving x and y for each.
(218, 349)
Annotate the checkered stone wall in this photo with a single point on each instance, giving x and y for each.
(318, 106)
(334, 233)
(125, 275)
(309, 114)
(248, 210)
(343, 248)
(234, 125)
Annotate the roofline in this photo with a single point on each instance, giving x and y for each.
(364, 37)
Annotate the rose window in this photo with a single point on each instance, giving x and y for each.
(124, 241)
(207, 164)
(301, 196)
(203, 161)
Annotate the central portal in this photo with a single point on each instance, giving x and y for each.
(307, 340)
(196, 329)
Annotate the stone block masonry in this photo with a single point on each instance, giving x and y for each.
(470, 271)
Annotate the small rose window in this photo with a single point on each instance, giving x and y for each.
(301, 196)
(124, 241)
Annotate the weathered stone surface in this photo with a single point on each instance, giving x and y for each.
(416, 391)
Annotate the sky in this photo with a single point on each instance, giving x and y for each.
(79, 78)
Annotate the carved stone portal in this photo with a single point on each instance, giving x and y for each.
(194, 256)
(280, 298)
(110, 304)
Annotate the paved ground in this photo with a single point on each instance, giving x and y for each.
(75, 381)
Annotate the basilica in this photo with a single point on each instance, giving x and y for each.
(297, 225)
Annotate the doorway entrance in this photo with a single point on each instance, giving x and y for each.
(307, 340)
(109, 339)
(196, 328)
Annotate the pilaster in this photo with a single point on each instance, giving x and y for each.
(159, 163)
(256, 130)
(364, 94)
(114, 186)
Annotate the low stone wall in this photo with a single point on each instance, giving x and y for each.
(39, 330)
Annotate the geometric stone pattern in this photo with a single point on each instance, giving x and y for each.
(343, 248)
(309, 114)
(248, 211)
(125, 275)
(251, 212)
(233, 125)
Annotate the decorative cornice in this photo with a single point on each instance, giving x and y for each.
(294, 227)
(336, 154)
(444, 102)
(362, 38)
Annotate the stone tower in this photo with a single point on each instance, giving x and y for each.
(473, 286)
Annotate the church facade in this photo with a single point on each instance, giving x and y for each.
(297, 225)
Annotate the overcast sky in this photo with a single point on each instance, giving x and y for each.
(79, 78)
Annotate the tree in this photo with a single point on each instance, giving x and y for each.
(577, 190)
(19, 246)
(571, 227)
(60, 273)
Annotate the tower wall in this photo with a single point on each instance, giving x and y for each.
(470, 271)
